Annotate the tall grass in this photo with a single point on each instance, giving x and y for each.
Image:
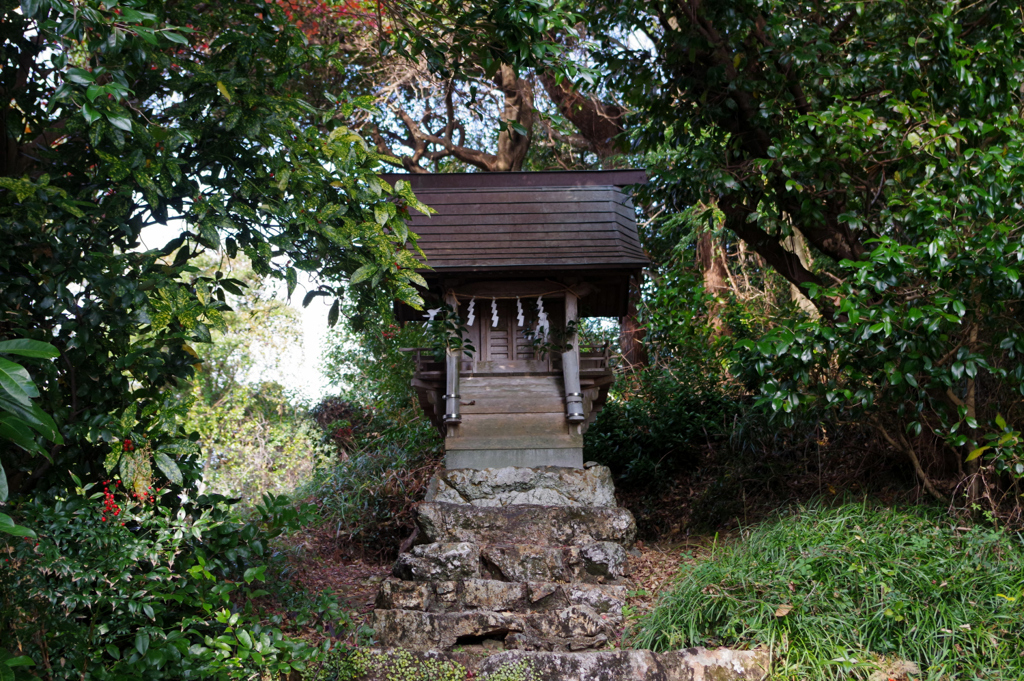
(835, 592)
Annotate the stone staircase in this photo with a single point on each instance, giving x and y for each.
(530, 561)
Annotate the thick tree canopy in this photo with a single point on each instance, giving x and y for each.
(870, 153)
(121, 116)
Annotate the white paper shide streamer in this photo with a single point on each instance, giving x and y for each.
(494, 312)
(431, 314)
(519, 312)
(543, 325)
(470, 312)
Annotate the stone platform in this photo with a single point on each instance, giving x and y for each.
(527, 568)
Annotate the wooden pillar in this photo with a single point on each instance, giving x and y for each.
(453, 365)
(571, 364)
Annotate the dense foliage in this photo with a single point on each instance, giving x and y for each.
(122, 116)
(116, 585)
(118, 116)
(255, 433)
(888, 137)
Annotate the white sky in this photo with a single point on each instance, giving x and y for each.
(301, 371)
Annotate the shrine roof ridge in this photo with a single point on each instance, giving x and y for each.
(546, 178)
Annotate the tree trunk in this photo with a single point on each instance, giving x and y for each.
(797, 245)
(512, 145)
(631, 333)
(714, 269)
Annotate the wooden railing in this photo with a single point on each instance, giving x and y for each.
(595, 358)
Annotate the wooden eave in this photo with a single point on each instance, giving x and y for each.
(518, 222)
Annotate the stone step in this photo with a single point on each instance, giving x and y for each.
(596, 563)
(537, 525)
(512, 486)
(578, 627)
(692, 664)
(495, 596)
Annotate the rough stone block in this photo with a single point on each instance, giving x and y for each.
(400, 595)
(497, 596)
(511, 486)
(695, 664)
(721, 664)
(576, 628)
(422, 630)
(604, 599)
(444, 561)
(604, 559)
(488, 594)
(524, 563)
(572, 622)
(537, 525)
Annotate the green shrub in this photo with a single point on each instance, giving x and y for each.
(833, 590)
(653, 424)
(117, 589)
(384, 462)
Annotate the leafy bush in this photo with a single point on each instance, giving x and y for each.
(385, 448)
(834, 590)
(116, 588)
(369, 490)
(652, 424)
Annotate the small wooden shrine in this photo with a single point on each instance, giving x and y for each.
(521, 257)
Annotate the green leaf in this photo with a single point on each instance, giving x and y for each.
(90, 113)
(332, 315)
(363, 273)
(401, 230)
(976, 453)
(7, 526)
(1000, 421)
(17, 431)
(113, 651)
(28, 348)
(175, 37)
(292, 277)
(16, 382)
(244, 638)
(142, 642)
(5, 673)
(80, 76)
(311, 295)
(21, 661)
(3, 484)
(119, 120)
(168, 467)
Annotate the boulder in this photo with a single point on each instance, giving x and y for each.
(511, 486)
(537, 525)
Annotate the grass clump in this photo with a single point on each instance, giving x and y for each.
(838, 593)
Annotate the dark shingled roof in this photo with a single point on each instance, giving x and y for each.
(536, 221)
